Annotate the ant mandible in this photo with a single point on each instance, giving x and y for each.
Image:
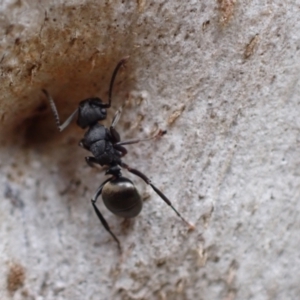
(119, 194)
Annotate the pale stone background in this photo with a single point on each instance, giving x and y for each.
(223, 78)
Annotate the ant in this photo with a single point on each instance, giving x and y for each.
(119, 194)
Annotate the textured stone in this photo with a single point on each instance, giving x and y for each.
(222, 77)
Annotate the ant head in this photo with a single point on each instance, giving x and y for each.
(90, 111)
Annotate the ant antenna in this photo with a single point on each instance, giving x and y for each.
(60, 127)
(121, 62)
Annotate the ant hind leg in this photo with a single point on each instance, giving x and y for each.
(160, 194)
(99, 215)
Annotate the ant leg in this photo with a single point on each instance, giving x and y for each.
(60, 127)
(115, 135)
(91, 161)
(117, 116)
(99, 215)
(81, 144)
(121, 149)
(135, 141)
(160, 194)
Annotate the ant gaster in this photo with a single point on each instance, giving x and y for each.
(119, 194)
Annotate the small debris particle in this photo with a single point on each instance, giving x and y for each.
(226, 8)
(141, 5)
(175, 115)
(251, 46)
(205, 24)
(160, 262)
(15, 277)
(180, 285)
(231, 274)
(202, 256)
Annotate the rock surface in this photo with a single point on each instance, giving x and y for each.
(222, 77)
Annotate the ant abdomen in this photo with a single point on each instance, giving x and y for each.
(121, 197)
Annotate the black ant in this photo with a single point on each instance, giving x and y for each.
(119, 194)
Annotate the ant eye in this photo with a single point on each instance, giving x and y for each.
(103, 111)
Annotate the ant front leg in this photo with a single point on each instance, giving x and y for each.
(160, 194)
(91, 161)
(98, 213)
(114, 133)
(117, 116)
(135, 141)
(60, 127)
